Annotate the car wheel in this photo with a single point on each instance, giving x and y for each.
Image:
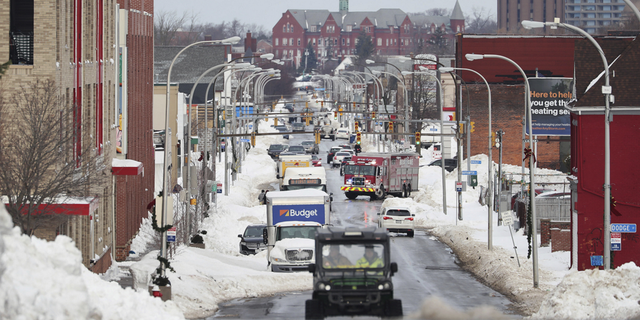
(410, 234)
(313, 309)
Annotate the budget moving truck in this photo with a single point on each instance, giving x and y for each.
(293, 217)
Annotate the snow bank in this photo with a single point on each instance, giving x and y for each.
(46, 280)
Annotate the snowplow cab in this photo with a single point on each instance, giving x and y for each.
(352, 274)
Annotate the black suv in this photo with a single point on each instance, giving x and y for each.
(251, 240)
(276, 149)
(352, 274)
(449, 164)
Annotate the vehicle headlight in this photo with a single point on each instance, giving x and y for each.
(323, 286)
(243, 243)
(279, 260)
(385, 286)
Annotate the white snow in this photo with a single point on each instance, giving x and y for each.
(46, 280)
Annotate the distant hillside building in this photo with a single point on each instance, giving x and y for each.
(333, 35)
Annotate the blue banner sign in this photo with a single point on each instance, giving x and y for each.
(302, 212)
(476, 161)
(616, 246)
(597, 261)
(469, 173)
(623, 227)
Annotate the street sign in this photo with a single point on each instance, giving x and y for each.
(171, 235)
(245, 140)
(219, 187)
(507, 218)
(476, 161)
(597, 261)
(623, 227)
(458, 186)
(433, 129)
(616, 241)
(469, 173)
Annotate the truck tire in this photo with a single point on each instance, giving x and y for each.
(313, 309)
(333, 138)
(350, 195)
(380, 194)
(393, 308)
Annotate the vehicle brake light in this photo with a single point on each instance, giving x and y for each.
(386, 218)
(410, 219)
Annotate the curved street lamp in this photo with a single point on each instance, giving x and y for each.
(165, 189)
(606, 90)
(532, 163)
(490, 162)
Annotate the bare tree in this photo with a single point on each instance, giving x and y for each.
(171, 29)
(480, 21)
(44, 158)
(438, 12)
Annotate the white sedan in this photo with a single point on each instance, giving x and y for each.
(342, 134)
(337, 159)
(397, 219)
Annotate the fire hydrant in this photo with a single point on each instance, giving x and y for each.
(156, 292)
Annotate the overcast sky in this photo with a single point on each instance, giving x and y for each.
(267, 13)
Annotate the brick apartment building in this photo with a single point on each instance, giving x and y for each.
(77, 44)
(333, 35)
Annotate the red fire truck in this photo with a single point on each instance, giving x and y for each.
(376, 174)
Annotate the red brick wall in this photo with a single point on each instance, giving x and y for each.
(560, 239)
(507, 110)
(133, 193)
(103, 264)
(545, 233)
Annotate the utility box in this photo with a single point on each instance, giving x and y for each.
(473, 180)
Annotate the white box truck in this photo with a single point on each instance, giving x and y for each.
(293, 217)
(296, 178)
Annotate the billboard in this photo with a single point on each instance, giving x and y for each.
(549, 96)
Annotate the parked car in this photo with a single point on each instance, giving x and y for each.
(345, 146)
(251, 241)
(275, 150)
(311, 146)
(331, 153)
(397, 219)
(342, 133)
(298, 127)
(315, 161)
(554, 194)
(297, 149)
(449, 164)
(337, 158)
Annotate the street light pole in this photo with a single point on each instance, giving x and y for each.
(532, 163)
(490, 164)
(606, 90)
(165, 189)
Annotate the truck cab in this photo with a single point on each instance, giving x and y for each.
(352, 274)
(294, 246)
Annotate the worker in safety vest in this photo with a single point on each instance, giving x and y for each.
(370, 259)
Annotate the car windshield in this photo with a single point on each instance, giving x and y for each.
(360, 170)
(297, 232)
(334, 150)
(342, 154)
(277, 147)
(353, 256)
(308, 143)
(296, 148)
(399, 213)
(253, 232)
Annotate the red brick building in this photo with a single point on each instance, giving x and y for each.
(587, 149)
(134, 188)
(333, 34)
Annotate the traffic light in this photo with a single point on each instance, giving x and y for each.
(358, 137)
(493, 139)
(356, 126)
(354, 105)
(275, 121)
(461, 127)
(335, 115)
(322, 103)
(373, 115)
(317, 137)
(340, 110)
(417, 138)
(473, 127)
(307, 120)
(253, 139)
(390, 126)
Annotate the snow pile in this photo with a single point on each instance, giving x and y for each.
(595, 294)
(46, 280)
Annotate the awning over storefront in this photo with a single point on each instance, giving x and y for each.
(66, 205)
(126, 167)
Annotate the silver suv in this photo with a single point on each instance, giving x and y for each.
(311, 146)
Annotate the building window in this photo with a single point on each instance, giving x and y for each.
(348, 40)
(312, 28)
(291, 28)
(284, 41)
(276, 41)
(349, 28)
(331, 29)
(379, 41)
(278, 54)
(298, 41)
(21, 31)
(335, 42)
(284, 29)
(314, 43)
(343, 45)
(291, 41)
(387, 42)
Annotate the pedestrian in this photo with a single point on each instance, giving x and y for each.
(261, 197)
